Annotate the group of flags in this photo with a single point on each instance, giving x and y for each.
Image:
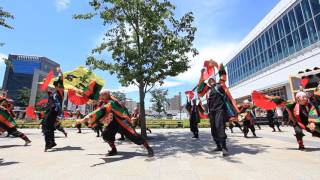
(81, 86)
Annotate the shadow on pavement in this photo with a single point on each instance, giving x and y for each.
(181, 142)
(10, 146)
(67, 148)
(119, 157)
(308, 149)
(6, 163)
(173, 143)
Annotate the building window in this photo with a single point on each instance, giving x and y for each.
(290, 44)
(292, 20)
(299, 16)
(311, 29)
(281, 29)
(284, 48)
(279, 50)
(271, 36)
(296, 39)
(269, 55)
(275, 32)
(306, 10)
(304, 36)
(286, 24)
(267, 39)
(263, 42)
(255, 49)
(315, 4)
(317, 22)
(275, 54)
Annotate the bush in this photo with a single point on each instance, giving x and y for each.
(151, 123)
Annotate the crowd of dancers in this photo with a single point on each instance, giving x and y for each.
(110, 116)
(302, 113)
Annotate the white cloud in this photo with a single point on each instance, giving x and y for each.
(62, 4)
(218, 52)
(133, 88)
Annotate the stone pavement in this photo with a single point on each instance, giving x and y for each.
(177, 156)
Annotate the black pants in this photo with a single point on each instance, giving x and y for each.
(78, 126)
(218, 124)
(248, 125)
(49, 127)
(299, 132)
(14, 132)
(98, 128)
(194, 127)
(109, 133)
(59, 127)
(274, 122)
(234, 124)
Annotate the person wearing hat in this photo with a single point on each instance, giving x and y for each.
(246, 109)
(55, 101)
(304, 116)
(194, 117)
(117, 120)
(222, 108)
(7, 122)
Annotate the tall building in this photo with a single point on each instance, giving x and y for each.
(26, 71)
(174, 103)
(285, 42)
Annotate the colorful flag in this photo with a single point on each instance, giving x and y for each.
(82, 85)
(47, 81)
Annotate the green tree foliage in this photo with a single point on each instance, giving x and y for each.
(23, 98)
(120, 96)
(146, 41)
(4, 15)
(159, 100)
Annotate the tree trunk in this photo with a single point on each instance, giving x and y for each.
(142, 112)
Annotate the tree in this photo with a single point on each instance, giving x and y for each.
(4, 15)
(159, 100)
(145, 40)
(120, 96)
(23, 98)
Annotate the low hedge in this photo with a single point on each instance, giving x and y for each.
(154, 123)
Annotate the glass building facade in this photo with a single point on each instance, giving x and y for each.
(297, 28)
(20, 71)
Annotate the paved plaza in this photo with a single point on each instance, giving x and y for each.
(177, 156)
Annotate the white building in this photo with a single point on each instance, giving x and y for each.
(174, 103)
(285, 42)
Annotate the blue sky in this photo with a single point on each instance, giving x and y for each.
(46, 28)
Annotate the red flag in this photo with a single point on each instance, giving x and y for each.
(304, 82)
(30, 112)
(77, 99)
(190, 95)
(66, 114)
(262, 102)
(47, 81)
(209, 65)
(42, 102)
(202, 112)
